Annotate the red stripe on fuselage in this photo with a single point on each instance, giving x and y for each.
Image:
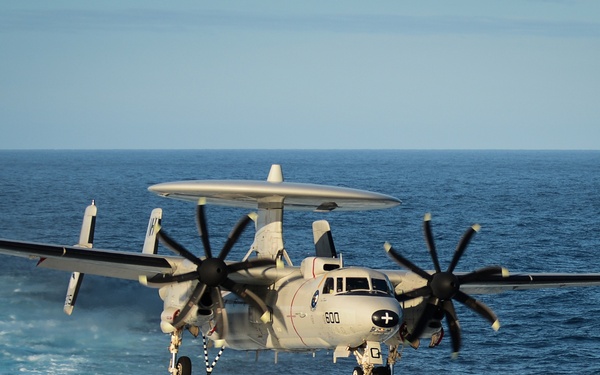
(292, 312)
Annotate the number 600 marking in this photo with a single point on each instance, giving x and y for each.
(332, 317)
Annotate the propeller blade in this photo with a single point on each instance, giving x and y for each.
(478, 307)
(420, 292)
(430, 242)
(233, 236)
(202, 228)
(442, 287)
(482, 273)
(462, 245)
(177, 248)
(405, 262)
(430, 309)
(454, 327)
(213, 272)
(222, 323)
(250, 297)
(193, 301)
(168, 279)
(248, 264)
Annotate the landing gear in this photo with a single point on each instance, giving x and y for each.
(184, 366)
(382, 370)
(369, 355)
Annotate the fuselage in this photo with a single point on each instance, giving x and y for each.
(342, 307)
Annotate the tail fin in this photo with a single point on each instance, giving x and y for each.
(323, 239)
(86, 240)
(151, 243)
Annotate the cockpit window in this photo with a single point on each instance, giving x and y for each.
(356, 283)
(381, 285)
(328, 287)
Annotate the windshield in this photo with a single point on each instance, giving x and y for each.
(381, 285)
(356, 283)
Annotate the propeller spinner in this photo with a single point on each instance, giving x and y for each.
(444, 286)
(213, 273)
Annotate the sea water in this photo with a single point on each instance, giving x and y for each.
(539, 212)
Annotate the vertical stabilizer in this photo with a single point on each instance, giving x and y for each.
(324, 245)
(151, 242)
(86, 241)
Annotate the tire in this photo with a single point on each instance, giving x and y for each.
(384, 370)
(184, 366)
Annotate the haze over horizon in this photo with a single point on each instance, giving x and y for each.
(308, 75)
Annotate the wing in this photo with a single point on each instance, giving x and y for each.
(406, 281)
(524, 281)
(117, 264)
(122, 264)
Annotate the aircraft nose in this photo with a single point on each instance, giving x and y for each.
(385, 318)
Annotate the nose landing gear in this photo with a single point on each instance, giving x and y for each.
(369, 354)
(380, 370)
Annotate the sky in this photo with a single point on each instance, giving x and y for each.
(300, 74)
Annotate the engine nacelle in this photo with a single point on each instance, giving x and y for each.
(169, 314)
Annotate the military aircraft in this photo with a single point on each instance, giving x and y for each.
(265, 302)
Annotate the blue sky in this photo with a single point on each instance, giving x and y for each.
(305, 74)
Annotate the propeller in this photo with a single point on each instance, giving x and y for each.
(213, 273)
(444, 286)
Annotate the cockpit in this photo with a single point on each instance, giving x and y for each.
(357, 281)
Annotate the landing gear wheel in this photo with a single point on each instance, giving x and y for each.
(384, 370)
(184, 366)
(358, 371)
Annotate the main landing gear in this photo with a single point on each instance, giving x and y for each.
(183, 365)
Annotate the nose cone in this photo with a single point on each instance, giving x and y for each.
(385, 318)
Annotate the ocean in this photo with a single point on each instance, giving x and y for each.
(539, 212)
